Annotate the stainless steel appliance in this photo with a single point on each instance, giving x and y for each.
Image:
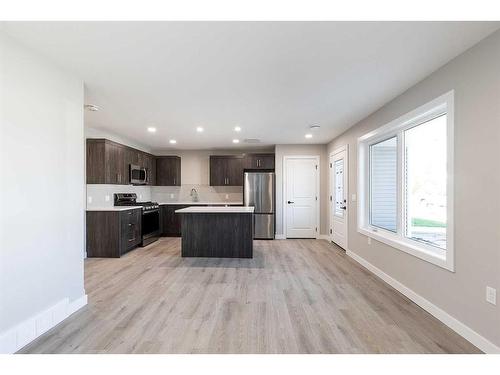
(138, 175)
(259, 192)
(150, 223)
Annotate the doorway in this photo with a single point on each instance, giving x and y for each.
(338, 196)
(301, 193)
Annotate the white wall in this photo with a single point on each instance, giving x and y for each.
(475, 77)
(42, 195)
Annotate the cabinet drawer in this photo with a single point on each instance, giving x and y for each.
(130, 229)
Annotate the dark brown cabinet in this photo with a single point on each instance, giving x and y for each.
(110, 234)
(259, 161)
(226, 170)
(105, 162)
(168, 171)
(170, 222)
(109, 162)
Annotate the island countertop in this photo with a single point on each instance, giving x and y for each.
(215, 210)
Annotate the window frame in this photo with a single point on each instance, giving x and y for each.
(444, 104)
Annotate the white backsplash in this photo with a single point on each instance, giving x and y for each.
(100, 195)
(206, 193)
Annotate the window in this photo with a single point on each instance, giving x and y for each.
(383, 184)
(405, 183)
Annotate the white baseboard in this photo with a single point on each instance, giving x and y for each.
(466, 332)
(28, 330)
(279, 237)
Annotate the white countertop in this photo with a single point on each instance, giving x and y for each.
(216, 210)
(199, 203)
(113, 208)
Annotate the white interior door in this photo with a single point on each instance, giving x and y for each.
(301, 197)
(338, 191)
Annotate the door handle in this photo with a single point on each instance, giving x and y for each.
(289, 202)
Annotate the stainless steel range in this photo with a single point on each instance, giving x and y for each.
(150, 215)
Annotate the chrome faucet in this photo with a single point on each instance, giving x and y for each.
(194, 195)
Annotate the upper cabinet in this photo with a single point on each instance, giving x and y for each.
(226, 170)
(168, 171)
(109, 162)
(259, 161)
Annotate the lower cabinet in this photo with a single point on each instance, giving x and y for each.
(110, 234)
(170, 222)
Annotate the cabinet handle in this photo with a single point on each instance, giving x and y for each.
(258, 162)
(174, 180)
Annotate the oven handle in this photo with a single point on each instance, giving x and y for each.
(150, 211)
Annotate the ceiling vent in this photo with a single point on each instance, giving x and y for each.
(251, 140)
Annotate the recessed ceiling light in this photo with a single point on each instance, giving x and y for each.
(236, 141)
(91, 107)
(152, 129)
(237, 129)
(314, 127)
(199, 129)
(173, 141)
(309, 135)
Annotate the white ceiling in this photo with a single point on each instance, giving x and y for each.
(273, 79)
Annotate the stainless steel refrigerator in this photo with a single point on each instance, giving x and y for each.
(259, 192)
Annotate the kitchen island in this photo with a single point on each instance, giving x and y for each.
(221, 232)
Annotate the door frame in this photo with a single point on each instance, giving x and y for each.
(346, 190)
(318, 190)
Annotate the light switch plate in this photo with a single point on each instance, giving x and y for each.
(353, 197)
(140, 196)
(227, 196)
(171, 196)
(89, 199)
(369, 240)
(491, 295)
(106, 198)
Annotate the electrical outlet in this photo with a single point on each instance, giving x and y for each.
(89, 199)
(369, 240)
(171, 196)
(140, 196)
(353, 197)
(227, 196)
(491, 295)
(106, 198)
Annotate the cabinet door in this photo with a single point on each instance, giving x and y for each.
(217, 171)
(96, 166)
(170, 221)
(234, 171)
(152, 171)
(259, 161)
(168, 171)
(130, 229)
(265, 161)
(115, 164)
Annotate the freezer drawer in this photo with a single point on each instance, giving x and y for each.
(263, 226)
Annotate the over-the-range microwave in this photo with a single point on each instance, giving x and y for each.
(138, 175)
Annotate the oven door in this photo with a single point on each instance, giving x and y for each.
(138, 175)
(150, 226)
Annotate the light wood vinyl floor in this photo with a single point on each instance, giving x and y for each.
(294, 296)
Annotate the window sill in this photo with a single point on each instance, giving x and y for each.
(421, 252)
